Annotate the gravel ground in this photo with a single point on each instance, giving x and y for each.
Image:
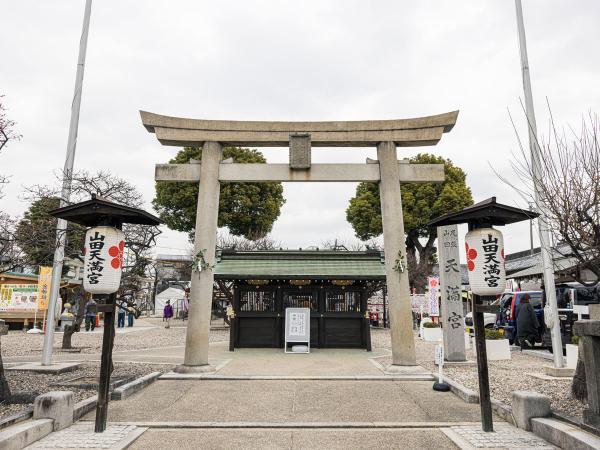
(31, 382)
(505, 376)
(18, 343)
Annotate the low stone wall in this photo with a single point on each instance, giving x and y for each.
(128, 389)
(23, 434)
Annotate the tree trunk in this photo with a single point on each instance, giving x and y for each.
(4, 387)
(420, 261)
(68, 335)
(76, 327)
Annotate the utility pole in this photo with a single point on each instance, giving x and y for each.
(546, 250)
(61, 226)
(531, 206)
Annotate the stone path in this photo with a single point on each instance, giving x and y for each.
(503, 436)
(330, 439)
(280, 401)
(81, 435)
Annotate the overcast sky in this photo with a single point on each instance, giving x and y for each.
(289, 60)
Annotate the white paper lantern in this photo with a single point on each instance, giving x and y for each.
(485, 261)
(103, 255)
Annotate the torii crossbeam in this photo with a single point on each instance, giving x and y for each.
(300, 137)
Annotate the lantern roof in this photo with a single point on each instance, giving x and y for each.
(98, 211)
(483, 214)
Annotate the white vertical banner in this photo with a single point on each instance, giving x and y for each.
(434, 287)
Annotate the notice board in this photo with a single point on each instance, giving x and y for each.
(297, 326)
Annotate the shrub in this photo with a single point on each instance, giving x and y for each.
(431, 325)
(493, 334)
(575, 340)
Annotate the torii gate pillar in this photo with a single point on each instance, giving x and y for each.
(396, 271)
(201, 292)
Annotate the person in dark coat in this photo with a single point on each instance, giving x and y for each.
(168, 313)
(91, 308)
(527, 323)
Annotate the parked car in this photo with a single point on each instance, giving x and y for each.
(572, 300)
(489, 321)
(507, 317)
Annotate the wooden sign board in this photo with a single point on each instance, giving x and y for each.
(297, 328)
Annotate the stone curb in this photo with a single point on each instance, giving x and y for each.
(466, 394)
(167, 425)
(470, 396)
(21, 435)
(199, 376)
(559, 431)
(128, 389)
(83, 407)
(504, 411)
(16, 418)
(564, 435)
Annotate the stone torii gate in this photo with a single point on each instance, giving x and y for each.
(300, 137)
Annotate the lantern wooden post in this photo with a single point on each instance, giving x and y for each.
(485, 401)
(106, 365)
(486, 275)
(103, 215)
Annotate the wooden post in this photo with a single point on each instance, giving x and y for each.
(106, 363)
(367, 323)
(485, 402)
(232, 324)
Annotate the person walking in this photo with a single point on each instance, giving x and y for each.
(168, 314)
(130, 316)
(121, 317)
(91, 308)
(527, 323)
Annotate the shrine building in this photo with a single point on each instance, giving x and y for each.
(335, 285)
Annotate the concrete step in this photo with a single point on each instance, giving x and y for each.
(564, 435)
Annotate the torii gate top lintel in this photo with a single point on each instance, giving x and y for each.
(182, 132)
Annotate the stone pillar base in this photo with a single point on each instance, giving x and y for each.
(205, 368)
(560, 372)
(406, 370)
(591, 419)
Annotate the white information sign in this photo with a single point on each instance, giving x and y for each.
(439, 355)
(297, 328)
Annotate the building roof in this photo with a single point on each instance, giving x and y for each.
(300, 264)
(98, 211)
(27, 276)
(32, 277)
(484, 214)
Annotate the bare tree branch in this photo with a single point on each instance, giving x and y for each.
(569, 189)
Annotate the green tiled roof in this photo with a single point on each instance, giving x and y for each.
(298, 264)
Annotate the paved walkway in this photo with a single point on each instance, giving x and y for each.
(281, 401)
(419, 438)
(232, 411)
